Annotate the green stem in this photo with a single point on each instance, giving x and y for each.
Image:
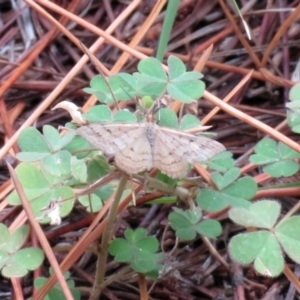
(106, 237)
(178, 191)
(170, 16)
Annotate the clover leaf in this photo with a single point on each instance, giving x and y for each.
(278, 158)
(188, 223)
(231, 191)
(138, 249)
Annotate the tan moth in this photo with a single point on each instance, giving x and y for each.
(139, 147)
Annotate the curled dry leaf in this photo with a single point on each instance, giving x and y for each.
(73, 110)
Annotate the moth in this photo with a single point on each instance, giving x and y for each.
(139, 147)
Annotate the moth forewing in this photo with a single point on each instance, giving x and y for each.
(192, 148)
(136, 157)
(142, 146)
(167, 161)
(110, 138)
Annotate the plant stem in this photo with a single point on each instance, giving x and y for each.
(103, 253)
(143, 287)
(169, 19)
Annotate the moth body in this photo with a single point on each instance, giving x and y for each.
(150, 133)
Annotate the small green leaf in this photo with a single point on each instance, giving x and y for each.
(221, 162)
(22, 261)
(284, 168)
(186, 92)
(178, 220)
(287, 152)
(188, 76)
(149, 244)
(31, 156)
(17, 239)
(167, 118)
(189, 121)
(176, 67)
(294, 94)
(31, 258)
(260, 247)
(56, 293)
(32, 181)
(183, 86)
(13, 271)
(186, 217)
(186, 234)
(154, 274)
(51, 136)
(118, 245)
(104, 192)
(65, 139)
(288, 234)
(151, 79)
(261, 214)
(294, 106)
(187, 224)
(209, 228)
(89, 90)
(211, 200)
(77, 145)
(4, 257)
(58, 164)
(133, 236)
(99, 114)
(31, 140)
(293, 119)
(144, 262)
(4, 237)
(245, 188)
(266, 152)
(92, 202)
(148, 86)
(97, 168)
(279, 157)
(55, 180)
(138, 250)
(229, 177)
(119, 88)
(128, 84)
(100, 88)
(124, 116)
(235, 195)
(153, 69)
(78, 169)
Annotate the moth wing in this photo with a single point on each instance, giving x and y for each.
(135, 157)
(192, 148)
(166, 160)
(110, 138)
